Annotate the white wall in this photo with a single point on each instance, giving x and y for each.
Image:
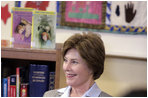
(122, 75)
(115, 44)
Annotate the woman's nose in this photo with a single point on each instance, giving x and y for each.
(66, 66)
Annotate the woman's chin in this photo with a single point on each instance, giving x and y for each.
(70, 82)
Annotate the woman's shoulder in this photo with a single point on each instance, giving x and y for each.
(52, 93)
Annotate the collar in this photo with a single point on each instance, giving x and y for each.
(94, 91)
(65, 91)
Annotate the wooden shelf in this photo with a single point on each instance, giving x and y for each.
(28, 54)
(36, 54)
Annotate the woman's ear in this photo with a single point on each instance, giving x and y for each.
(91, 72)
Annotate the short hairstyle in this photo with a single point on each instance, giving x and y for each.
(91, 48)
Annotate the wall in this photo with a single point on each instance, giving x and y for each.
(122, 75)
(115, 44)
(125, 64)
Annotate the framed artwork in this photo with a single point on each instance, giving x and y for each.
(82, 14)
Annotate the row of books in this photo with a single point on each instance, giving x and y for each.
(32, 28)
(32, 81)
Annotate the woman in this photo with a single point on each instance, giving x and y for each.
(83, 56)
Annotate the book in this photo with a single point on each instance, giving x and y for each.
(5, 87)
(38, 80)
(24, 90)
(12, 85)
(21, 78)
(51, 80)
(44, 26)
(21, 27)
(8, 86)
(17, 82)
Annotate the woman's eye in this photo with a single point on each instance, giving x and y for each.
(65, 60)
(74, 62)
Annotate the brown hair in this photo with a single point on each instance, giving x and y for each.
(91, 49)
(45, 33)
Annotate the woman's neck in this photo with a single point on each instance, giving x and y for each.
(78, 91)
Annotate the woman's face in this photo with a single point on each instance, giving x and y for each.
(76, 70)
(21, 29)
(44, 37)
(28, 30)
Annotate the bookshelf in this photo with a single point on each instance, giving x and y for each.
(37, 55)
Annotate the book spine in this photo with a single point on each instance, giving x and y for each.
(24, 90)
(8, 86)
(13, 91)
(17, 82)
(38, 80)
(13, 85)
(5, 87)
(51, 80)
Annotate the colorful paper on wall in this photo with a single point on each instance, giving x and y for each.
(6, 7)
(125, 16)
(40, 5)
(82, 14)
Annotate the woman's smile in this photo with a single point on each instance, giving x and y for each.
(70, 76)
(75, 68)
